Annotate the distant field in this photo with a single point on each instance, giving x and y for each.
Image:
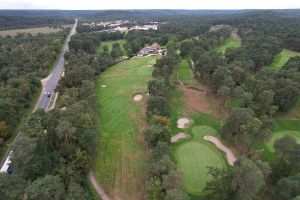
(282, 58)
(231, 42)
(109, 45)
(33, 31)
(120, 164)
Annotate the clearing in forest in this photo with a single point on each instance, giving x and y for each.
(282, 58)
(109, 44)
(231, 42)
(120, 164)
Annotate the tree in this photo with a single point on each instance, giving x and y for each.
(46, 188)
(76, 192)
(158, 87)
(265, 100)
(154, 189)
(11, 187)
(283, 146)
(155, 133)
(294, 157)
(186, 47)
(172, 180)
(288, 187)
(3, 129)
(158, 106)
(224, 93)
(176, 194)
(247, 179)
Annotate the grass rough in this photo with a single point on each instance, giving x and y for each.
(120, 164)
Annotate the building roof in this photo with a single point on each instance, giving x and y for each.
(155, 46)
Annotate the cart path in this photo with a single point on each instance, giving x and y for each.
(97, 187)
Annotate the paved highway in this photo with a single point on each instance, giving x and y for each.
(48, 89)
(44, 99)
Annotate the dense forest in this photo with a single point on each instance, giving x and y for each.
(20, 78)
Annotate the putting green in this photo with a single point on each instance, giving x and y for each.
(194, 156)
(280, 134)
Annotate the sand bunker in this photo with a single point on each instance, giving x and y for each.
(178, 136)
(229, 154)
(137, 97)
(183, 122)
(103, 86)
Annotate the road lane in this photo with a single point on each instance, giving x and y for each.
(51, 84)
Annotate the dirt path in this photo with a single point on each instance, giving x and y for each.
(231, 158)
(97, 187)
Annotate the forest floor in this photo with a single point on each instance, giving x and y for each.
(120, 164)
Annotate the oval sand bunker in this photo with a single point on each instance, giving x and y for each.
(183, 122)
(104, 86)
(137, 97)
(229, 154)
(178, 136)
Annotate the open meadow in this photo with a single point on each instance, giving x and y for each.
(120, 164)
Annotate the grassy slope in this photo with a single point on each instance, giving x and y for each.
(282, 58)
(231, 42)
(194, 156)
(109, 45)
(121, 157)
(185, 73)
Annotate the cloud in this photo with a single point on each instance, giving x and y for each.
(148, 4)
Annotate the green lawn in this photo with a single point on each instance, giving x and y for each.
(185, 72)
(120, 164)
(282, 58)
(231, 42)
(109, 45)
(194, 156)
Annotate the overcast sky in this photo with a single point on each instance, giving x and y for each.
(148, 4)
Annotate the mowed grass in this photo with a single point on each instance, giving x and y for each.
(185, 72)
(195, 156)
(32, 31)
(231, 42)
(109, 44)
(282, 58)
(120, 164)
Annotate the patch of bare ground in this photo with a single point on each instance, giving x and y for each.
(231, 158)
(178, 136)
(200, 98)
(235, 35)
(45, 81)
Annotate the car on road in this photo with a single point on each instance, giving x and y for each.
(49, 94)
